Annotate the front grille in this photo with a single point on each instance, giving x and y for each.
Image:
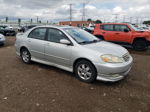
(126, 57)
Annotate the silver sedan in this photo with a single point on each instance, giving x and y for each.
(74, 50)
(2, 39)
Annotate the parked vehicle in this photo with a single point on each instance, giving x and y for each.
(3, 26)
(21, 29)
(86, 29)
(25, 28)
(9, 28)
(2, 39)
(123, 33)
(29, 27)
(7, 32)
(74, 50)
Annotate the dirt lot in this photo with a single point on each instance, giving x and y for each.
(41, 88)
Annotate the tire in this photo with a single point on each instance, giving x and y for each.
(2, 44)
(140, 45)
(100, 37)
(25, 56)
(85, 71)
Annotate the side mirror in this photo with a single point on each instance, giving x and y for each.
(126, 30)
(64, 41)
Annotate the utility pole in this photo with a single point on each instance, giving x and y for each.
(137, 20)
(83, 12)
(131, 19)
(104, 20)
(31, 21)
(70, 13)
(116, 17)
(141, 20)
(37, 19)
(124, 19)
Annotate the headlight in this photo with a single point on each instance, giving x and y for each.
(2, 36)
(111, 59)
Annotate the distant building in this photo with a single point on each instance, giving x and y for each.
(76, 23)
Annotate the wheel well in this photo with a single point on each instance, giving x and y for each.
(100, 37)
(76, 61)
(23, 47)
(139, 38)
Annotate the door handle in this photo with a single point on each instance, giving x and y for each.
(117, 33)
(29, 40)
(103, 32)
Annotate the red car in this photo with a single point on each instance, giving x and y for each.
(123, 33)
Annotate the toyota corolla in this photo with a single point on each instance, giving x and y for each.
(74, 50)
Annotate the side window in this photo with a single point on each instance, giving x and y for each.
(55, 35)
(107, 27)
(38, 33)
(121, 28)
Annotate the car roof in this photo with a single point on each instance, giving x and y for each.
(55, 26)
(113, 24)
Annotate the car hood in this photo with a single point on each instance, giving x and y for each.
(107, 48)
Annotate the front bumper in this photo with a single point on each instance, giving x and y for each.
(113, 72)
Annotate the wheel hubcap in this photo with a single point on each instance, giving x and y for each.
(25, 56)
(84, 72)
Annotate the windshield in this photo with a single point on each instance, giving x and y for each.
(81, 36)
(135, 28)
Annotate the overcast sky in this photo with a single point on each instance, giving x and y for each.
(59, 9)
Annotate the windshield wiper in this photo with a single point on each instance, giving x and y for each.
(85, 42)
(96, 41)
(88, 42)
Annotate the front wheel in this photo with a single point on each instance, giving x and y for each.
(140, 45)
(25, 56)
(85, 71)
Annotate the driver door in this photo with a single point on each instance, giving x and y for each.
(120, 35)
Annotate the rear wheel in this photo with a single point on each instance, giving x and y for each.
(25, 56)
(85, 71)
(140, 45)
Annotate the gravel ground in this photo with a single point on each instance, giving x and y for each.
(41, 88)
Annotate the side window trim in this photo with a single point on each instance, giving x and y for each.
(36, 29)
(107, 30)
(61, 32)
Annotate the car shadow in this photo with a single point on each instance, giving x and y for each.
(10, 41)
(69, 74)
(57, 70)
(132, 51)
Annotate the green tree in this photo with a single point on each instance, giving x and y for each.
(40, 21)
(89, 19)
(98, 21)
(146, 22)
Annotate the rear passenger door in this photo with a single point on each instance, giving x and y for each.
(36, 42)
(108, 32)
(120, 34)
